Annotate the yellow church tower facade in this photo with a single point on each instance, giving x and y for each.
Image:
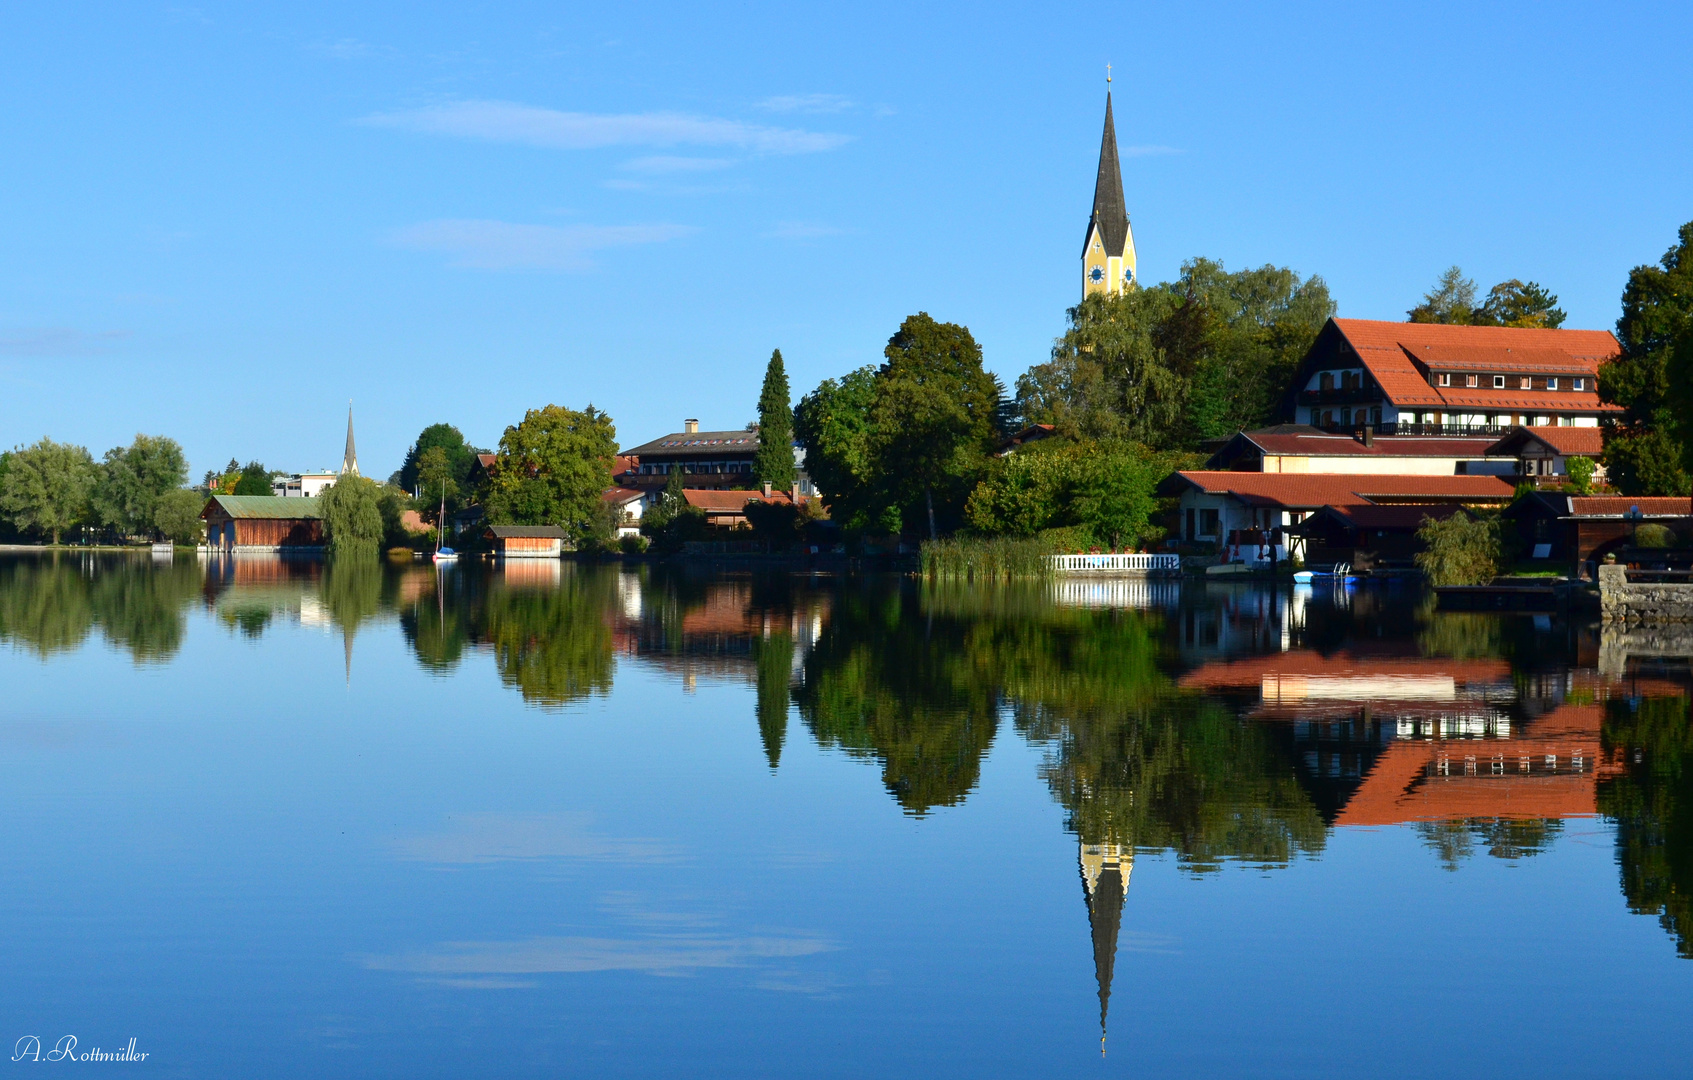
(1108, 259)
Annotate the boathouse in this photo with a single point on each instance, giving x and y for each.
(526, 541)
(262, 523)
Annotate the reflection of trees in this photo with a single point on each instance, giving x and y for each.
(774, 657)
(1651, 800)
(437, 622)
(50, 607)
(885, 682)
(1454, 839)
(553, 644)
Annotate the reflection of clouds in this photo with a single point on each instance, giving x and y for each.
(497, 837)
(500, 964)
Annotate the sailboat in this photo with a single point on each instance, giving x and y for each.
(443, 554)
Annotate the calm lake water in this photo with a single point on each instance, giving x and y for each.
(268, 819)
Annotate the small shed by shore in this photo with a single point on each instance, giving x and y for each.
(262, 523)
(526, 541)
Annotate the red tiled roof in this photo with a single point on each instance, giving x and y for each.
(1308, 491)
(617, 496)
(1583, 441)
(1386, 350)
(1617, 505)
(730, 501)
(1322, 444)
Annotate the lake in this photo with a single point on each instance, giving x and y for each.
(269, 818)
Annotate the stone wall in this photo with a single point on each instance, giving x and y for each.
(1623, 601)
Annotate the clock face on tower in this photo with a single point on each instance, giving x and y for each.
(1128, 276)
(1097, 274)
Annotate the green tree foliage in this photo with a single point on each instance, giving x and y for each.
(134, 478)
(1105, 488)
(433, 476)
(1183, 361)
(1646, 448)
(47, 608)
(774, 462)
(1452, 300)
(672, 521)
(1514, 303)
(1651, 801)
(460, 457)
(254, 480)
(932, 420)
(554, 645)
(176, 515)
(352, 517)
(833, 424)
(47, 487)
(552, 469)
(1460, 549)
(1579, 472)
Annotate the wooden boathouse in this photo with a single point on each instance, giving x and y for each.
(262, 523)
(526, 541)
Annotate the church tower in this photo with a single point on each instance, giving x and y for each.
(1105, 881)
(350, 459)
(1108, 258)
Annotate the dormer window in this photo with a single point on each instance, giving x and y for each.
(1472, 380)
(1445, 378)
(1525, 383)
(1578, 384)
(1552, 383)
(1498, 382)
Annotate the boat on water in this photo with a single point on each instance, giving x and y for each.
(1338, 572)
(446, 554)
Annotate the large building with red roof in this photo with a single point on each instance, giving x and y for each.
(1425, 378)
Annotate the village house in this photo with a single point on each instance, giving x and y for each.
(626, 506)
(728, 509)
(1366, 536)
(1542, 453)
(1434, 379)
(308, 485)
(262, 523)
(1301, 448)
(708, 460)
(1581, 529)
(1239, 510)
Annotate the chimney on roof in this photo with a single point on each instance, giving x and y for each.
(691, 427)
(793, 493)
(1369, 435)
(767, 489)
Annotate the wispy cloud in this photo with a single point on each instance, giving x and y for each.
(501, 964)
(806, 103)
(57, 341)
(504, 245)
(663, 164)
(1150, 151)
(511, 122)
(346, 49)
(492, 837)
(803, 230)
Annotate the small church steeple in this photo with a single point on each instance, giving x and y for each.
(350, 460)
(1108, 256)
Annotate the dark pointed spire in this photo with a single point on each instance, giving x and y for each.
(1110, 213)
(350, 460)
(1105, 885)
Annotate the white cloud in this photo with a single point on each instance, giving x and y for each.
(57, 341)
(663, 164)
(806, 103)
(803, 230)
(344, 49)
(504, 245)
(490, 837)
(1149, 151)
(506, 121)
(493, 964)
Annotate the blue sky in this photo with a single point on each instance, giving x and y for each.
(221, 222)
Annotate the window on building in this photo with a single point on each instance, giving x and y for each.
(1445, 378)
(1375, 415)
(1498, 382)
(1525, 383)
(1190, 534)
(1325, 381)
(1472, 380)
(1552, 383)
(1578, 384)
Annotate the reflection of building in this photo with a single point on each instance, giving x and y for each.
(526, 541)
(1105, 881)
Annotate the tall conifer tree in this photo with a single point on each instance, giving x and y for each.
(774, 463)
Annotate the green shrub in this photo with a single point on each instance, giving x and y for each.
(1653, 535)
(634, 544)
(1461, 550)
(1579, 473)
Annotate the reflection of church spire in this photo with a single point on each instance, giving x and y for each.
(1105, 879)
(347, 644)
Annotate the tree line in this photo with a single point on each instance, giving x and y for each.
(52, 488)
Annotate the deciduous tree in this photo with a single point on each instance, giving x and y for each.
(352, 517)
(552, 469)
(133, 479)
(176, 514)
(460, 455)
(254, 480)
(833, 424)
(1452, 300)
(47, 487)
(1649, 449)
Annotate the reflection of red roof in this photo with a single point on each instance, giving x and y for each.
(1487, 778)
(1308, 491)
(1617, 505)
(1387, 349)
(1253, 670)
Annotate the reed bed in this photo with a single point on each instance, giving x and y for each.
(995, 559)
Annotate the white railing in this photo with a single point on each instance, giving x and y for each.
(1119, 591)
(1117, 564)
